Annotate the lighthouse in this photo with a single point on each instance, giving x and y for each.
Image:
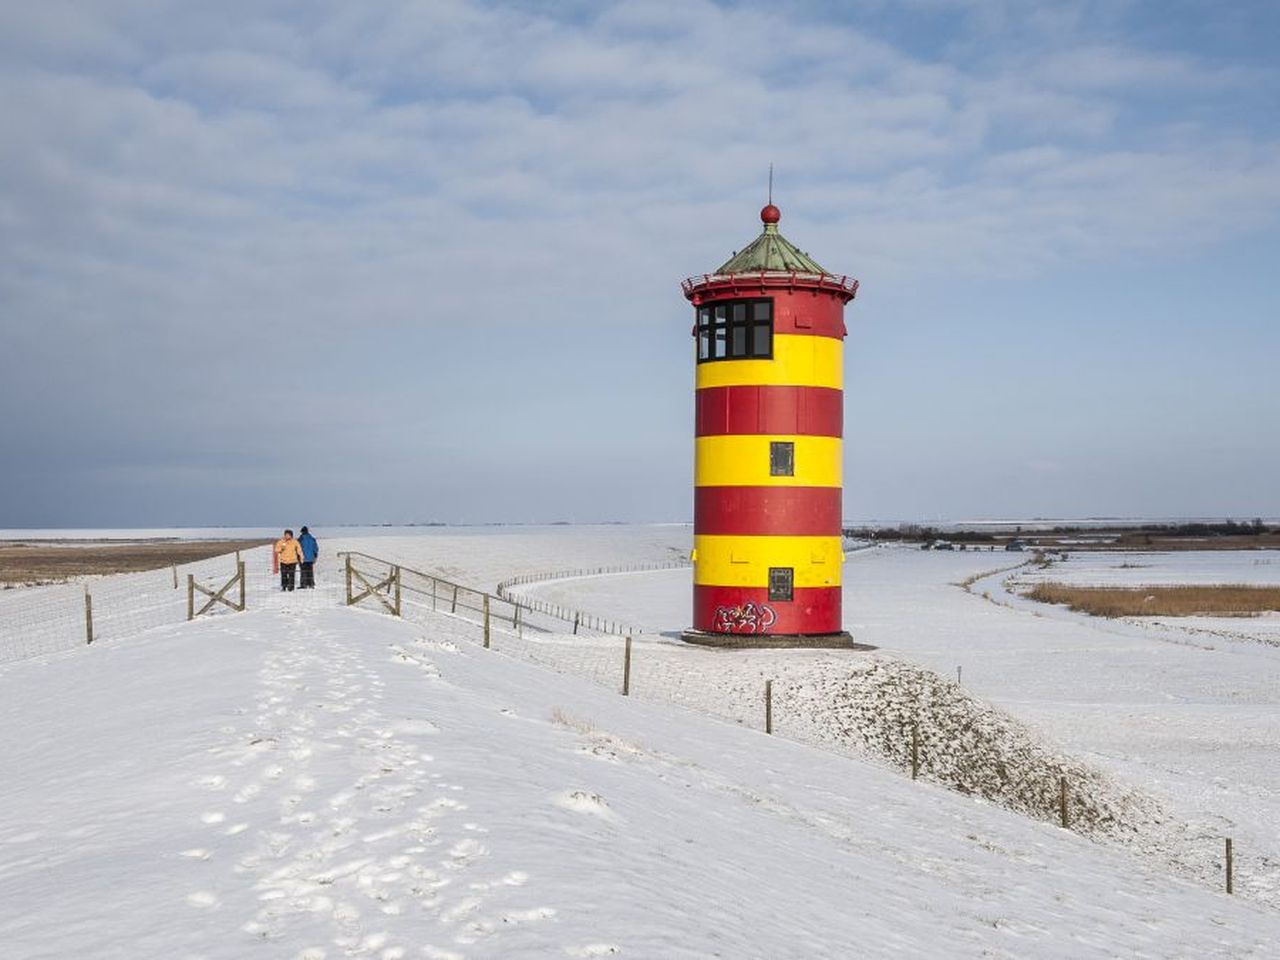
(769, 348)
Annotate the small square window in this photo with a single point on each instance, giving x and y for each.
(781, 582)
(782, 458)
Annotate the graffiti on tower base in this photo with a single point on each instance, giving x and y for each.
(750, 617)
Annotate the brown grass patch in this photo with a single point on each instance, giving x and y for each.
(35, 562)
(1216, 600)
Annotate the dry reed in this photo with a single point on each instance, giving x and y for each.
(1216, 600)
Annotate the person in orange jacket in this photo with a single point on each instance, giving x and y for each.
(289, 553)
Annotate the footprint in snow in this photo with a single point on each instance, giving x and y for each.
(594, 950)
(464, 851)
(462, 908)
(417, 727)
(442, 803)
(202, 898)
(247, 793)
(582, 801)
(525, 916)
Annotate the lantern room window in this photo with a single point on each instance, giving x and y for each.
(735, 330)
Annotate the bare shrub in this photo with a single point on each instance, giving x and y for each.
(969, 746)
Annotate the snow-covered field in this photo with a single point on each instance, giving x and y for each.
(1251, 567)
(1187, 712)
(1129, 569)
(306, 780)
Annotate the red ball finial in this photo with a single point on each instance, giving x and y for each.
(770, 214)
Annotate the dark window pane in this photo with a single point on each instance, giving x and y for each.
(781, 581)
(761, 341)
(735, 329)
(782, 458)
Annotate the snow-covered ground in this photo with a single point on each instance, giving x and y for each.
(1251, 567)
(1129, 569)
(1190, 718)
(285, 775)
(307, 781)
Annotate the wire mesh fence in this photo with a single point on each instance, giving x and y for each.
(542, 633)
(49, 619)
(580, 618)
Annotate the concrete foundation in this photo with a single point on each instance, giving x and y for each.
(761, 641)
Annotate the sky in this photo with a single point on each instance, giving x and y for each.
(283, 262)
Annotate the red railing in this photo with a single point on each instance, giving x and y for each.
(770, 278)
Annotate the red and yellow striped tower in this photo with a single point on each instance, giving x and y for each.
(767, 555)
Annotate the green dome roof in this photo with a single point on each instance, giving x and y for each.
(770, 252)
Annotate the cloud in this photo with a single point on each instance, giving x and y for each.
(201, 196)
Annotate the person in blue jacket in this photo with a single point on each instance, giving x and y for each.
(310, 550)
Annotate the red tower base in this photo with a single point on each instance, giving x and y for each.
(832, 641)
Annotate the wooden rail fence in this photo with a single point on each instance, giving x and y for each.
(391, 583)
(216, 597)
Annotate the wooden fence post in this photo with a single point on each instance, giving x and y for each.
(240, 568)
(768, 706)
(175, 576)
(519, 628)
(915, 750)
(626, 669)
(1230, 865)
(454, 607)
(1062, 803)
(88, 617)
(486, 621)
(576, 617)
(191, 596)
(434, 581)
(397, 591)
(348, 579)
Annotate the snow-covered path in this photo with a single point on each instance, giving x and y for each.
(308, 781)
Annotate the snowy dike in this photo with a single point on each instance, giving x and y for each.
(308, 780)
